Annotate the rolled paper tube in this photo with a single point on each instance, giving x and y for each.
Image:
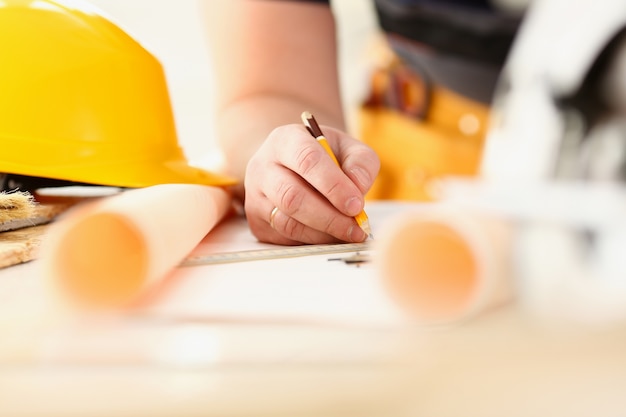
(106, 253)
(442, 265)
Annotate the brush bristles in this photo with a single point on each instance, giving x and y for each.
(16, 205)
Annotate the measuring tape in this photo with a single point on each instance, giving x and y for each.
(282, 252)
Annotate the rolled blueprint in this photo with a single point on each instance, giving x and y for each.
(443, 265)
(108, 252)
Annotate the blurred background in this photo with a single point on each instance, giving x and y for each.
(173, 31)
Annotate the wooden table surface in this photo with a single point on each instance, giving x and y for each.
(138, 363)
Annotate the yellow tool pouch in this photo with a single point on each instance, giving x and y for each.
(420, 132)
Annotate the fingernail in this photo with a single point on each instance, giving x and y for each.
(353, 206)
(361, 176)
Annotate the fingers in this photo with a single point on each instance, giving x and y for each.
(296, 193)
(359, 162)
(298, 151)
(286, 230)
(300, 213)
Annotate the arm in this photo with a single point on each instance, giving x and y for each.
(273, 60)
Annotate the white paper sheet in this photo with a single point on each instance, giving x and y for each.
(309, 289)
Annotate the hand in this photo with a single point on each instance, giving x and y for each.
(315, 199)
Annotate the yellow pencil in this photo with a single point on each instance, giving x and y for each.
(313, 128)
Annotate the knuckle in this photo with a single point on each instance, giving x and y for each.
(254, 165)
(293, 228)
(335, 225)
(254, 171)
(290, 197)
(332, 225)
(335, 188)
(307, 158)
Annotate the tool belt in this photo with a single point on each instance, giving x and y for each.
(420, 131)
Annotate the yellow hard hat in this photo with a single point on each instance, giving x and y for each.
(80, 100)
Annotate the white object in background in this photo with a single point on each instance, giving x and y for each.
(567, 243)
(554, 160)
(568, 274)
(548, 62)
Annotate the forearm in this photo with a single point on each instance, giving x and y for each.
(243, 125)
(278, 61)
